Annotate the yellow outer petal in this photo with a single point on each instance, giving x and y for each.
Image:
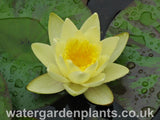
(54, 68)
(92, 21)
(45, 85)
(68, 30)
(102, 63)
(101, 95)
(44, 53)
(71, 67)
(62, 66)
(79, 77)
(74, 89)
(59, 47)
(92, 68)
(96, 81)
(79, 35)
(54, 27)
(109, 45)
(92, 35)
(120, 46)
(115, 71)
(55, 74)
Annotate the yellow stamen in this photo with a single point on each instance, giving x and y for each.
(81, 52)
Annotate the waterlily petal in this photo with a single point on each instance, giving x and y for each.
(53, 68)
(54, 72)
(62, 65)
(102, 63)
(79, 77)
(96, 81)
(101, 95)
(114, 71)
(55, 24)
(120, 46)
(59, 47)
(44, 84)
(71, 67)
(68, 30)
(74, 89)
(79, 35)
(44, 53)
(92, 21)
(92, 68)
(103, 60)
(93, 35)
(109, 45)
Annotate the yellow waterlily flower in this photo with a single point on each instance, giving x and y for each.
(77, 61)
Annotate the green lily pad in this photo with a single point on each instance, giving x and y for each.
(18, 64)
(5, 101)
(140, 89)
(22, 23)
(40, 10)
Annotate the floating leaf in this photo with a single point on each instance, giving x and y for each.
(22, 23)
(140, 89)
(40, 10)
(18, 64)
(5, 102)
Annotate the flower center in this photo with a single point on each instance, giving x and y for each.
(81, 52)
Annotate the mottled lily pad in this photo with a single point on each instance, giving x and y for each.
(140, 89)
(18, 64)
(22, 23)
(40, 10)
(5, 102)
